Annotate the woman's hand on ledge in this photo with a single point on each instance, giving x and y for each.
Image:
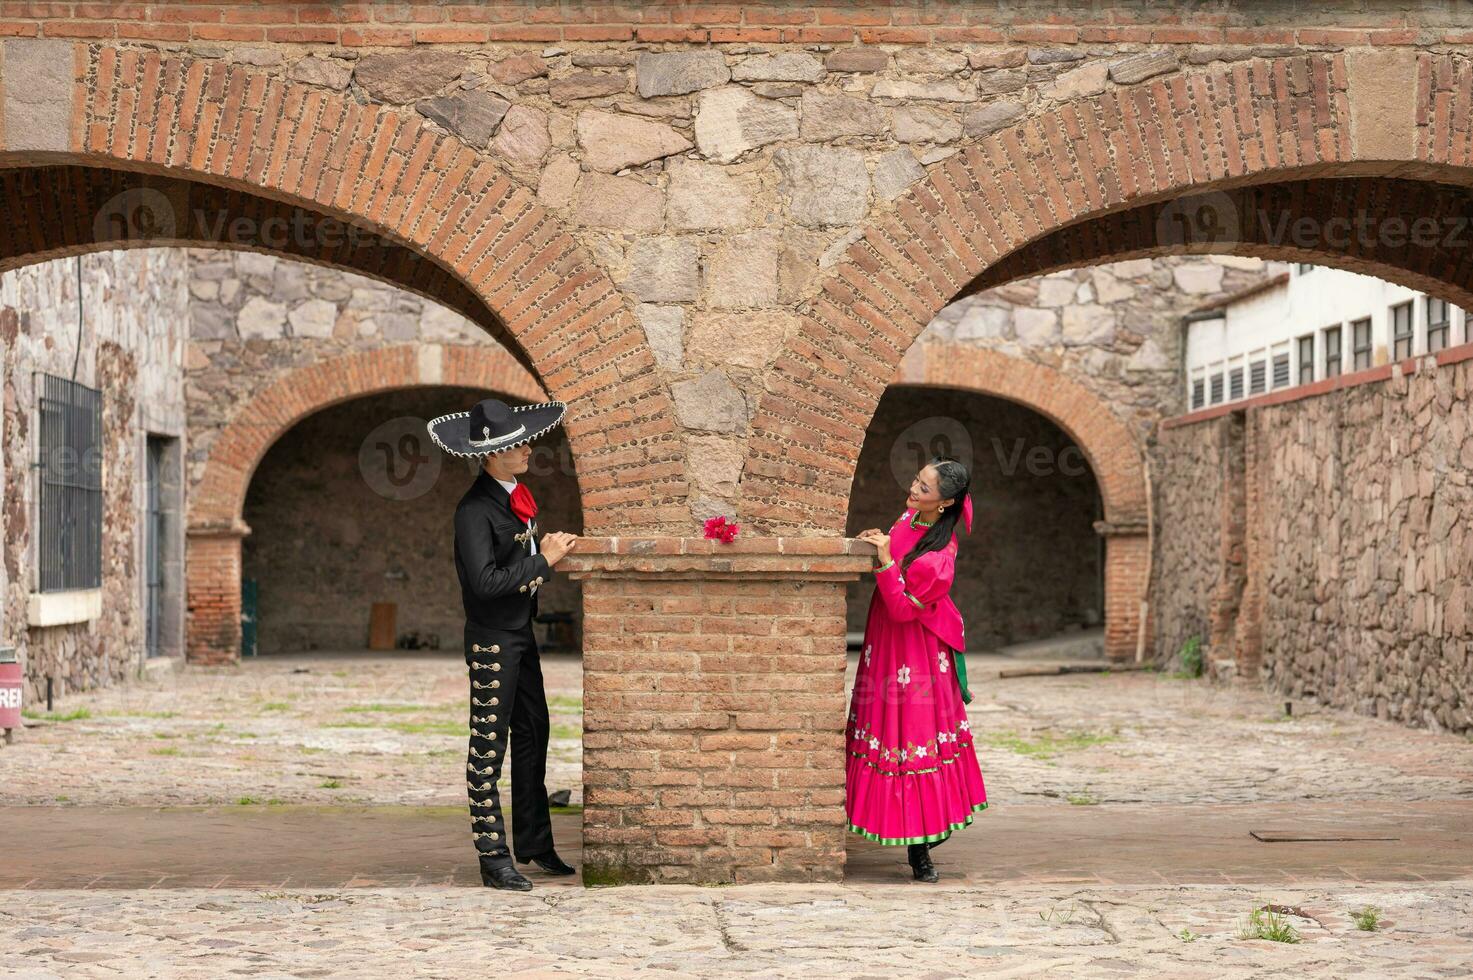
(880, 540)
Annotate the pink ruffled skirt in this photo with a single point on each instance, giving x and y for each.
(912, 773)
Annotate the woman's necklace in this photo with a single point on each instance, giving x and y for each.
(915, 521)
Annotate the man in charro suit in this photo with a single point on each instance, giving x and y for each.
(500, 566)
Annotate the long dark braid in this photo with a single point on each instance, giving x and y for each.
(955, 482)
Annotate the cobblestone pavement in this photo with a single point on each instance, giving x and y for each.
(326, 728)
(749, 930)
(317, 730)
(381, 730)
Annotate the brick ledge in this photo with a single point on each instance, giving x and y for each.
(813, 559)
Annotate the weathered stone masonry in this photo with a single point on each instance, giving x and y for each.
(1342, 572)
(555, 168)
(133, 354)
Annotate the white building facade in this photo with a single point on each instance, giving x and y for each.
(1307, 324)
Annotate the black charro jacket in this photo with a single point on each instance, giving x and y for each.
(499, 575)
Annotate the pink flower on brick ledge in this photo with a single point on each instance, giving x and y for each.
(716, 527)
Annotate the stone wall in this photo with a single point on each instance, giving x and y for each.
(1115, 328)
(133, 330)
(1357, 539)
(718, 185)
(1193, 471)
(254, 319)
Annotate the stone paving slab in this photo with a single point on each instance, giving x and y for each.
(360, 847)
(781, 931)
(367, 729)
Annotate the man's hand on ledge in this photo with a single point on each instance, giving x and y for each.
(557, 544)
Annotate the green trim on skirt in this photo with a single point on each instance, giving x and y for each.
(920, 840)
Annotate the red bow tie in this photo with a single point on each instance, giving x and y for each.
(522, 503)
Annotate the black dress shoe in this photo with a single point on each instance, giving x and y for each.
(920, 862)
(551, 863)
(505, 876)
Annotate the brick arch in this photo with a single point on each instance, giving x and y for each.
(217, 502)
(1057, 177)
(444, 219)
(1118, 462)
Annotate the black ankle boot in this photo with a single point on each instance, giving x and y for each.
(551, 863)
(498, 874)
(920, 862)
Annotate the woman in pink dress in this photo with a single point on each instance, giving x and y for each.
(912, 773)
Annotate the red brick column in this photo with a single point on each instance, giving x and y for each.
(713, 676)
(212, 593)
(1127, 561)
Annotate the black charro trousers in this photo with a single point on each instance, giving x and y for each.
(508, 713)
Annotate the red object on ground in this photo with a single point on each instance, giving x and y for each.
(10, 686)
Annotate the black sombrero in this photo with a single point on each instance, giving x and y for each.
(493, 426)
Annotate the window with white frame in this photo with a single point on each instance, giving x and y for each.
(1236, 382)
(1305, 349)
(1360, 339)
(1401, 330)
(1439, 323)
(1281, 367)
(1258, 376)
(1199, 392)
(1332, 352)
(1217, 387)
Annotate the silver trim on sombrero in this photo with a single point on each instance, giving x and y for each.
(561, 407)
(494, 440)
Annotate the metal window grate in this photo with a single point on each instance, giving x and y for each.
(1281, 370)
(1199, 392)
(1235, 384)
(1217, 380)
(1257, 377)
(70, 470)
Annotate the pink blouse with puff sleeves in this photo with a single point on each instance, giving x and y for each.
(923, 592)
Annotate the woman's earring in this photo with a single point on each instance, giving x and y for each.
(941, 509)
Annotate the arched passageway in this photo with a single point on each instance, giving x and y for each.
(1032, 568)
(349, 512)
(141, 147)
(1288, 157)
